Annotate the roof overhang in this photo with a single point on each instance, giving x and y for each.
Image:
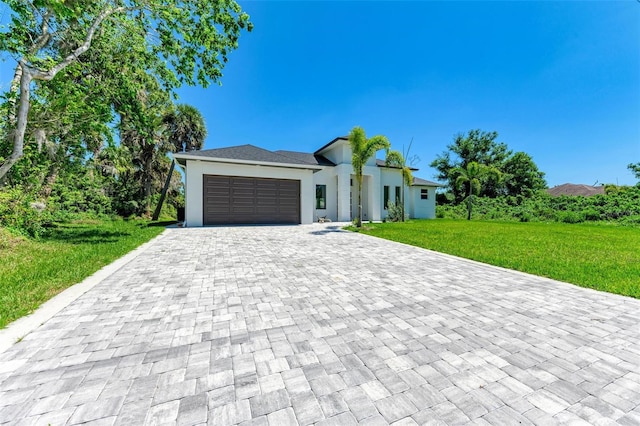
(339, 138)
(182, 158)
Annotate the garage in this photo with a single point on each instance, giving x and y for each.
(250, 200)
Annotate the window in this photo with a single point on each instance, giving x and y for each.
(386, 196)
(424, 194)
(321, 197)
(398, 197)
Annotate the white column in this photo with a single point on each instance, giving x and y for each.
(375, 197)
(344, 188)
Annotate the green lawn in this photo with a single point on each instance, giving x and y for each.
(603, 257)
(31, 272)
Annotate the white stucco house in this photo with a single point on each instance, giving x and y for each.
(247, 184)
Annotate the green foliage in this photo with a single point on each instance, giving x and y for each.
(521, 175)
(635, 169)
(601, 257)
(473, 176)
(361, 150)
(21, 213)
(81, 63)
(194, 39)
(397, 159)
(185, 128)
(395, 212)
(620, 206)
(32, 272)
(518, 175)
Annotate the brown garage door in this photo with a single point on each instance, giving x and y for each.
(234, 199)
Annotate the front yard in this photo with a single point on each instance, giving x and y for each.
(33, 271)
(602, 257)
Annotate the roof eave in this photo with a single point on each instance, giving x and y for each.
(344, 138)
(185, 157)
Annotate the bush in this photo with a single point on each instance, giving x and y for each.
(570, 217)
(21, 213)
(591, 214)
(616, 205)
(395, 212)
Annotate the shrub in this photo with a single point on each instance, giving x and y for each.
(21, 213)
(570, 217)
(591, 214)
(395, 212)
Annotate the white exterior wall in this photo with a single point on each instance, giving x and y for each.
(196, 169)
(343, 174)
(327, 177)
(339, 153)
(391, 178)
(423, 209)
(416, 207)
(371, 199)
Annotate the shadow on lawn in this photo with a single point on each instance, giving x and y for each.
(81, 235)
(163, 223)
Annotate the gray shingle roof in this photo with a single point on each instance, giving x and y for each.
(248, 153)
(423, 182)
(306, 157)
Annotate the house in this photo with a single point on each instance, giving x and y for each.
(247, 184)
(575, 190)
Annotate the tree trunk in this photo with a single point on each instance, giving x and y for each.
(14, 91)
(402, 193)
(50, 181)
(359, 219)
(147, 185)
(156, 212)
(21, 123)
(469, 202)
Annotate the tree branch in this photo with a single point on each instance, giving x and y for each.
(44, 36)
(51, 73)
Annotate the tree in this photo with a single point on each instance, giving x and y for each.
(472, 177)
(185, 128)
(192, 38)
(521, 175)
(518, 173)
(185, 131)
(362, 149)
(635, 169)
(476, 146)
(396, 159)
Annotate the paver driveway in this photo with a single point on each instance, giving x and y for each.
(309, 324)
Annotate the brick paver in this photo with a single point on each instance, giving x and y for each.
(313, 325)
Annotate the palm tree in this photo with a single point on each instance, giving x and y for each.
(396, 159)
(473, 176)
(185, 130)
(362, 149)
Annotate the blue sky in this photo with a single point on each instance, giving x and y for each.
(558, 80)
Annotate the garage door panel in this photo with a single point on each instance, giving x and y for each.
(237, 199)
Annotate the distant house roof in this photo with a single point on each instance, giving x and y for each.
(423, 182)
(306, 157)
(575, 189)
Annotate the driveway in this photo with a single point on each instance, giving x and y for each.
(313, 325)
